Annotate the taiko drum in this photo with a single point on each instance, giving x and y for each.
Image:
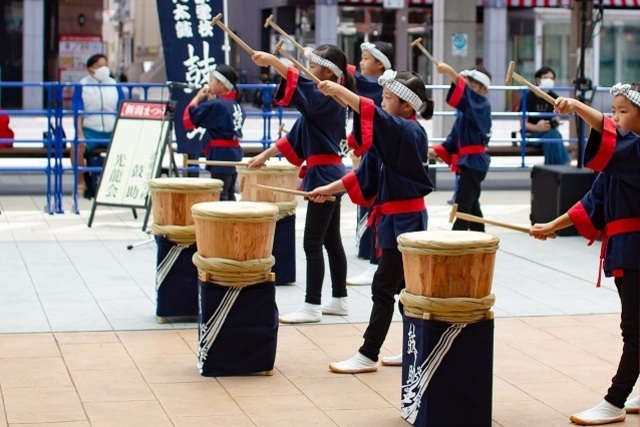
(173, 197)
(235, 230)
(447, 264)
(274, 174)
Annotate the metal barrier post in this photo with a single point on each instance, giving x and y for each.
(47, 141)
(59, 149)
(523, 129)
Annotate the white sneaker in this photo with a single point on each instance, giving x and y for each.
(308, 313)
(392, 360)
(358, 364)
(365, 278)
(336, 307)
(632, 406)
(603, 413)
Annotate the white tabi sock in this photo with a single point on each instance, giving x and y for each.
(603, 413)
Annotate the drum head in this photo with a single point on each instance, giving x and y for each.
(448, 240)
(179, 184)
(235, 211)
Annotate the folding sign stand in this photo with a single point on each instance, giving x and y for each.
(141, 136)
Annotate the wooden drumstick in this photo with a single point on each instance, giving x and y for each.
(215, 163)
(278, 50)
(269, 22)
(418, 43)
(473, 218)
(511, 74)
(281, 129)
(216, 21)
(287, 190)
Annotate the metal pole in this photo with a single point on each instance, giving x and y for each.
(580, 81)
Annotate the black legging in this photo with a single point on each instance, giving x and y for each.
(468, 198)
(625, 379)
(322, 228)
(228, 185)
(388, 281)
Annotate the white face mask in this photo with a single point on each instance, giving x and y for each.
(546, 83)
(102, 73)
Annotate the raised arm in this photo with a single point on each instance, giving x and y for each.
(330, 88)
(265, 59)
(444, 68)
(590, 115)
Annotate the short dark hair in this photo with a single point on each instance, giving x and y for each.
(95, 58)
(544, 70)
(414, 82)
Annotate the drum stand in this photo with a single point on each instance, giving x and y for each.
(141, 243)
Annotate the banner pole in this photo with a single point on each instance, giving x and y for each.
(227, 46)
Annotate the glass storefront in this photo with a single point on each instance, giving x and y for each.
(619, 51)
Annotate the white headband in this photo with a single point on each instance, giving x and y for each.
(388, 79)
(222, 79)
(626, 91)
(478, 76)
(312, 57)
(376, 53)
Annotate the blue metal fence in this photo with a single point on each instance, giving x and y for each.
(55, 141)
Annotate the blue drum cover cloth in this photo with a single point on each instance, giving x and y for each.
(237, 329)
(177, 295)
(284, 250)
(447, 373)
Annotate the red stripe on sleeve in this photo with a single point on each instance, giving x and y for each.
(367, 110)
(607, 145)
(442, 153)
(287, 151)
(186, 117)
(583, 223)
(458, 92)
(292, 82)
(351, 184)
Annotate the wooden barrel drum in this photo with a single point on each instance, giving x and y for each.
(448, 264)
(173, 197)
(275, 174)
(240, 231)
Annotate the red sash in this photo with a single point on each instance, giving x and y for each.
(230, 143)
(619, 226)
(392, 208)
(319, 160)
(472, 149)
(464, 151)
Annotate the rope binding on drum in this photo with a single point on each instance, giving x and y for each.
(232, 273)
(451, 310)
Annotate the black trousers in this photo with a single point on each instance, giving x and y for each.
(228, 185)
(468, 198)
(322, 228)
(625, 379)
(388, 281)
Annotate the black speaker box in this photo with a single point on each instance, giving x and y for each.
(554, 189)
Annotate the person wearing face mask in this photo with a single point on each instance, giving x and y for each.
(555, 153)
(92, 97)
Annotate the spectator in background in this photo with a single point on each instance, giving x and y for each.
(92, 97)
(555, 153)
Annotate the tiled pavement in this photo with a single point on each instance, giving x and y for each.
(80, 345)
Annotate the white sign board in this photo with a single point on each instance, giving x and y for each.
(135, 154)
(459, 44)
